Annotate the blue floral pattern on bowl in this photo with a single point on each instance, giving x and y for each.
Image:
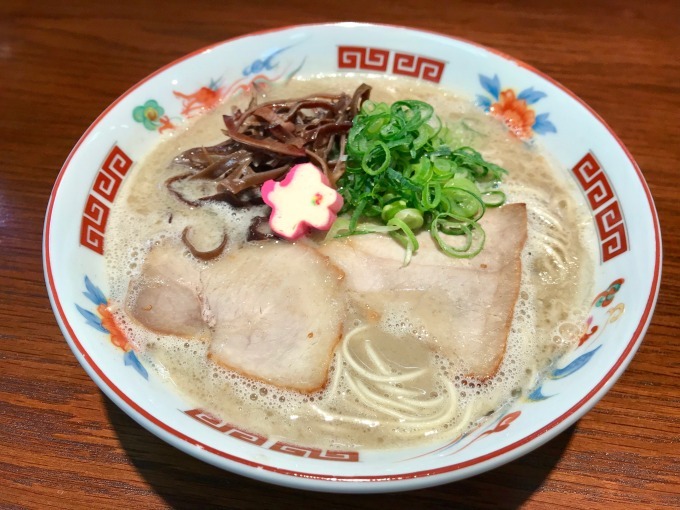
(514, 109)
(104, 322)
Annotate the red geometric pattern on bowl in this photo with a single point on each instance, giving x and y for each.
(105, 187)
(611, 227)
(360, 57)
(276, 446)
(378, 59)
(224, 427)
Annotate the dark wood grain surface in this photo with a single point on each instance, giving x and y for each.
(63, 444)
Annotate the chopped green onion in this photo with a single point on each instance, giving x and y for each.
(413, 218)
(408, 238)
(432, 196)
(379, 153)
(404, 168)
(494, 198)
(472, 245)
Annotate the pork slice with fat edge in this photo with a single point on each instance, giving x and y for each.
(465, 305)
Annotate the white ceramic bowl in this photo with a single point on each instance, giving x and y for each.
(627, 276)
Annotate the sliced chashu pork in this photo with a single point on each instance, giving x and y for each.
(465, 305)
(278, 312)
(166, 296)
(273, 311)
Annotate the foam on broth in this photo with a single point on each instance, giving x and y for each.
(557, 268)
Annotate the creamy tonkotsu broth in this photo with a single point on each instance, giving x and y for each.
(395, 390)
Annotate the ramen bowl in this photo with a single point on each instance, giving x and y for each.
(585, 149)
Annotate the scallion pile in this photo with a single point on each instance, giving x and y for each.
(404, 174)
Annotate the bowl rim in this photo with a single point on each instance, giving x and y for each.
(339, 483)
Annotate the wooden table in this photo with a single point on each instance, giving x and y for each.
(64, 445)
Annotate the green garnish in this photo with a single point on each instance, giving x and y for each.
(402, 168)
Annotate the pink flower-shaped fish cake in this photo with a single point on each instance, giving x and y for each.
(303, 199)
